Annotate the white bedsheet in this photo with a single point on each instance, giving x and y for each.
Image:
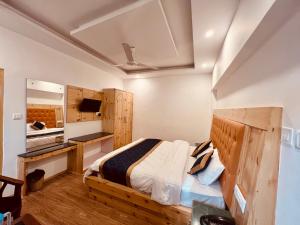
(160, 174)
(193, 190)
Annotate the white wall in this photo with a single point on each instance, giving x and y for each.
(171, 107)
(271, 77)
(23, 58)
(248, 16)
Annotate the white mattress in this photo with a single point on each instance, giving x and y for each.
(193, 190)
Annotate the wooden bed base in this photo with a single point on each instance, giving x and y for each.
(135, 203)
(256, 172)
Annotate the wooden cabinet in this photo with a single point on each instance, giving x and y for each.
(117, 115)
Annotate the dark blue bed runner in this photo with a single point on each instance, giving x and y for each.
(115, 168)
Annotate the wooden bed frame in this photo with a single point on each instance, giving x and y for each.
(248, 140)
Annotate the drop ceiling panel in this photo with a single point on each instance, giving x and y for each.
(214, 16)
(145, 27)
(65, 15)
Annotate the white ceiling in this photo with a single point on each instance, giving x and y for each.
(166, 33)
(66, 15)
(212, 16)
(155, 30)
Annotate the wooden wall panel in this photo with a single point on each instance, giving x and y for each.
(75, 95)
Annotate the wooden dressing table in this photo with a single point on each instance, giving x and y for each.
(28, 157)
(75, 149)
(83, 141)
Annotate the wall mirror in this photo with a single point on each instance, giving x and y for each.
(45, 115)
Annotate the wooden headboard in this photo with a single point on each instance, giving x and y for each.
(47, 116)
(227, 136)
(248, 140)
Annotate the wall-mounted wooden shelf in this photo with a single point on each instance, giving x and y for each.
(75, 95)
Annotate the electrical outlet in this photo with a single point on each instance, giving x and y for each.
(297, 139)
(240, 198)
(17, 116)
(287, 136)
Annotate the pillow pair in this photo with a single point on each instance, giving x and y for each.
(201, 148)
(208, 167)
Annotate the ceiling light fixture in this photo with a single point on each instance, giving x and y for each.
(204, 65)
(207, 65)
(209, 33)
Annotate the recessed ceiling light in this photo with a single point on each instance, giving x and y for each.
(207, 65)
(204, 65)
(209, 33)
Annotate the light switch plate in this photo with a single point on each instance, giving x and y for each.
(297, 139)
(17, 116)
(240, 198)
(287, 136)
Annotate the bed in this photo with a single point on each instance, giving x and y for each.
(149, 176)
(234, 133)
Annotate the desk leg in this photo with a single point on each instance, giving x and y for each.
(79, 158)
(107, 145)
(71, 162)
(75, 159)
(22, 172)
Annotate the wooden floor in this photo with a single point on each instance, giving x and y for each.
(64, 200)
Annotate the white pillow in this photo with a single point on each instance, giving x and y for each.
(206, 151)
(213, 171)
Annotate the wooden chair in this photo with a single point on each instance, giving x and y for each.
(13, 203)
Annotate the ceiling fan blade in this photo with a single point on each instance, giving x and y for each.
(128, 52)
(148, 66)
(119, 65)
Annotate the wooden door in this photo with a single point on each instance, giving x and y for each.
(108, 110)
(128, 118)
(1, 117)
(118, 119)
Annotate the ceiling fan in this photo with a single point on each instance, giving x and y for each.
(130, 55)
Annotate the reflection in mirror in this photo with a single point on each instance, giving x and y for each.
(45, 115)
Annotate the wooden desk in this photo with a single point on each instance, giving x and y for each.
(82, 141)
(28, 157)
